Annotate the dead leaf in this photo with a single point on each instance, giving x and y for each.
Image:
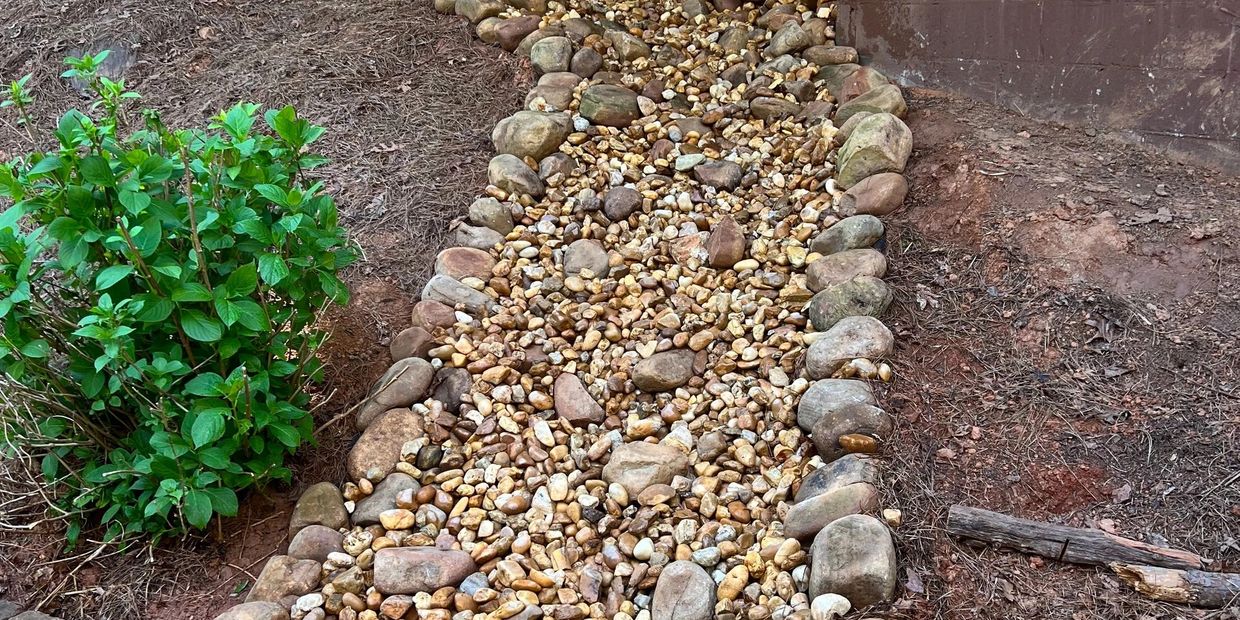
(914, 583)
(1122, 494)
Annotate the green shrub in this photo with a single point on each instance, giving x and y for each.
(159, 291)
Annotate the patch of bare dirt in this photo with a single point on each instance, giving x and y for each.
(408, 99)
(1067, 324)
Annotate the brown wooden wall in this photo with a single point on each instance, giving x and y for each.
(1163, 70)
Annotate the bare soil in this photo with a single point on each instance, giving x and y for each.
(1067, 319)
(408, 98)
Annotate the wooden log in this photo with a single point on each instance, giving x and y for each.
(1189, 587)
(1060, 542)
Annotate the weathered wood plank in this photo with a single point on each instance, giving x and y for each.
(1189, 587)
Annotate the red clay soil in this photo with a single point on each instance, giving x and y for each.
(1067, 324)
(408, 97)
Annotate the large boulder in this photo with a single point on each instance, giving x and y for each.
(880, 99)
(532, 134)
(404, 383)
(879, 194)
(684, 591)
(850, 233)
(411, 342)
(805, 519)
(860, 296)
(509, 173)
(551, 55)
(491, 213)
(880, 143)
(383, 498)
(378, 449)
(320, 504)
(410, 570)
(609, 105)
(846, 470)
(664, 371)
(638, 465)
(314, 542)
(843, 266)
(461, 263)
(283, 576)
(258, 610)
(855, 558)
(830, 395)
(852, 337)
(453, 293)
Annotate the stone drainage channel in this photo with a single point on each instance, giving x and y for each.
(640, 387)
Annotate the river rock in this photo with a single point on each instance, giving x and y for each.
(790, 38)
(882, 99)
(664, 371)
(510, 32)
(773, 108)
(880, 143)
(832, 77)
(855, 558)
(726, 244)
(862, 81)
(840, 267)
(609, 105)
(807, 518)
(404, 383)
(409, 570)
(491, 213)
(849, 419)
(586, 62)
(684, 591)
(586, 254)
(532, 134)
(860, 296)
(878, 194)
(850, 233)
(314, 542)
(451, 292)
(627, 46)
(411, 342)
(823, 55)
(258, 610)
(574, 403)
(479, 237)
(828, 395)
(850, 338)
(378, 449)
(461, 263)
(720, 174)
(320, 504)
(282, 576)
(621, 202)
(551, 54)
(382, 498)
(510, 174)
(478, 10)
(846, 470)
(638, 465)
(450, 385)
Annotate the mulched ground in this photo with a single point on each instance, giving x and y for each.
(408, 98)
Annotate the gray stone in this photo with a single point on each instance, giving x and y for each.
(314, 542)
(586, 62)
(734, 39)
(832, 77)
(574, 403)
(383, 498)
(320, 504)
(791, 37)
(527, 44)
(843, 266)
(509, 173)
(409, 570)
(850, 233)
(855, 558)
(882, 99)
(880, 143)
(609, 105)
(450, 292)
(879, 194)
(586, 254)
(551, 54)
(773, 108)
(378, 449)
(860, 296)
(627, 46)
(851, 419)
(684, 591)
(556, 163)
(491, 213)
(404, 383)
(720, 174)
(852, 337)
(34, 615)
(450, 385)
(807, 518)
(259, 610)
(829, 395)
(8, 609)
(823, 55)
(638, 465)
(664, 371)
(847, 127)
(621, 202)
(846, 470)
(479, 237)
(282, 576)
(532, 134)
(478, 10)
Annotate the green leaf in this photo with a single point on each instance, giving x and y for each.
(37, 349)
(251, 315)
(111, 275)
(46, 165)
(286, 434)
(206, 384)
(255, 228)
(200, 327)
(208, 427)
(242, 281)
(197, 508)
(72, 252)
(156, 310)
(223, 500)
(272, 268)
(96, 169)
(135, 202)
(191, 291)
(227, 311)
(273, 193)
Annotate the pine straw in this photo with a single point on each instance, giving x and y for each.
(408, 98)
